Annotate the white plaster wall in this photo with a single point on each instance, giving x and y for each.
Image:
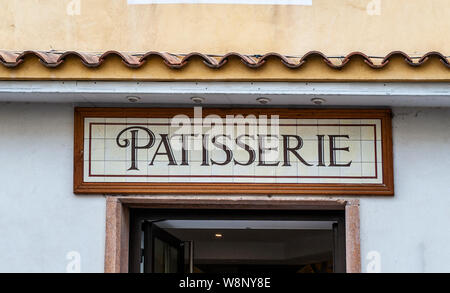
(411, 231)
(41, 219)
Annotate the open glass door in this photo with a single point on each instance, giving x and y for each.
(237, 241)
(163, 253)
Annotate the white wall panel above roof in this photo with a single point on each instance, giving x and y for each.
(255, 2)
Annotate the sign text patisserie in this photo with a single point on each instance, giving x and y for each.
(235, 148)
(290, 148)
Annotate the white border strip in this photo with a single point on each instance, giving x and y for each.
(249, 2)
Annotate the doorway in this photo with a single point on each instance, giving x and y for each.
(226, 241)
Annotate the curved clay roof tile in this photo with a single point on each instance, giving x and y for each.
(53, 59)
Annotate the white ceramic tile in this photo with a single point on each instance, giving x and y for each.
(200, 173)
(116, 157)
(141, 172)
(330, 180)
(307, 121)
(358, 181)
(329, 171)
(113, 152)
(328, 121)
(179, 170)
(370, 121)
(368, 169)
(354, 153)
(307, 132)
(251, 142)
(287, 180)
(350, 121)
(305, 172)
(176, 140)
(142, 154)
(218, 180)
(115, 120)
(158, 168)
(379, 152)
(195, 155)
(354, 132)
(239, 170)
(204, 129)
(328, 130)
(141, 166)
(161, 126)
(231, 130)
(288, 121)
(273, 150)
(215, 131)
(372, 181)
(368, 132)
(287, 171)
(288, 130)
(112, 131)
(161, 157)
(172, 121)
(377, 123)
(141, 133)
(218, 155)
(86, 172)
(132, 121)
(309, 151)
(86, 177)
(380, 170)
(115, 168)
(179, 180)
(243, 156)
(367, 151)
(350, 181)
(97, 167)
(267, 158)
(115, 179)
(241, 129)
(354, 170)
(222, 171)
(265, 171)
(379, 130)
(137, 179)
(201, 180)
(86, 149)
(265, 129)
(95, 129)
(176, 144)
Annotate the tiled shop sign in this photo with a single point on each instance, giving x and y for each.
(233, 151)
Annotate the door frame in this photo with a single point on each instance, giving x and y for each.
(118, 220)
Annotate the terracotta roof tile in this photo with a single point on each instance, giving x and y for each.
(89, 60)
(175, 61)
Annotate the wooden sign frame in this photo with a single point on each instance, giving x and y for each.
(386, 188)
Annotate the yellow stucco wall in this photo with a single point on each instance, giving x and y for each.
(335, 27)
